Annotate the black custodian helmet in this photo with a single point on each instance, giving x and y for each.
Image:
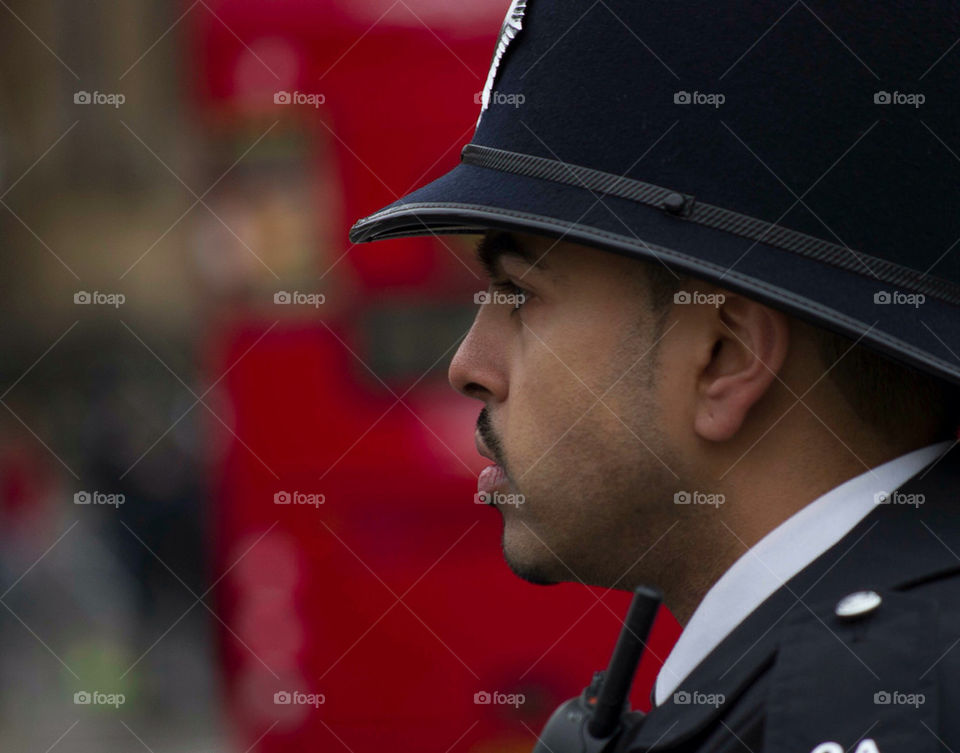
(804, 154)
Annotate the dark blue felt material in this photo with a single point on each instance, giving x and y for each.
(799, 119)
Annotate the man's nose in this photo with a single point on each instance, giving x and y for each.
(478, 367)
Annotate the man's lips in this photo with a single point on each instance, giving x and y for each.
(482, 448)
(492, 476)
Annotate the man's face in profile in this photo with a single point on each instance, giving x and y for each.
(575, 409)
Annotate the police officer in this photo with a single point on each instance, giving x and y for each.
(721, 350)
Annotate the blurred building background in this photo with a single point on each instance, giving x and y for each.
(232, 471)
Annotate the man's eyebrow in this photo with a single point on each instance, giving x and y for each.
(496, 244)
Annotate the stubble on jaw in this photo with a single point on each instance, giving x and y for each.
(626, 469)
(628, 488)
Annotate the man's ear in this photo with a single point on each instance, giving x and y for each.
(749, 348)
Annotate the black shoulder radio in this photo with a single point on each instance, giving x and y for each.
(593, 721)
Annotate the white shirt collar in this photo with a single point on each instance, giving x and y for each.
(780, 555)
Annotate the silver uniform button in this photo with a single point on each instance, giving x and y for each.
(857, 604)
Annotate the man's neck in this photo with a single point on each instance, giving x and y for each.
(761, 495)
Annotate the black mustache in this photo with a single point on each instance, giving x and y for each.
(486, 434)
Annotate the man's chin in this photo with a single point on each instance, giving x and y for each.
(531, 572)
(531, 565)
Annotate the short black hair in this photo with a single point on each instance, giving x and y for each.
(884, 393)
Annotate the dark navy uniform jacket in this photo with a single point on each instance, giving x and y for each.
(881, 677)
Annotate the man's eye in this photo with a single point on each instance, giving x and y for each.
(510, 293)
